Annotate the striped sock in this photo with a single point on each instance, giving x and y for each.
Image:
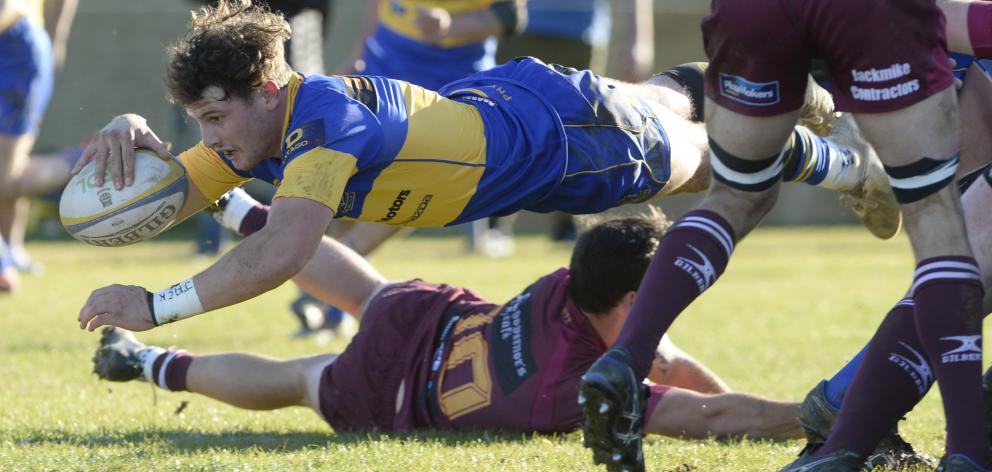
(817, 161)
(165, 368)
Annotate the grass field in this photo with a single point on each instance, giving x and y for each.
(794, 304)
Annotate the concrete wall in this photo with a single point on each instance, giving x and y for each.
(116, 61)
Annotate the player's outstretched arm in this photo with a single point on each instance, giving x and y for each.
(688, 414)
(260, 263)
(113, 148)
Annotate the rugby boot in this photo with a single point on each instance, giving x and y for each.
(840, 460)
(958, 463)
(817, 112)
(613, 401)
(872, 200)
(817, 415)
(116, 358)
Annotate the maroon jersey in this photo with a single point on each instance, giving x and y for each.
(437, 356)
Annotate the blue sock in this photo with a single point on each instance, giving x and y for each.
(837, 385)
(333, 316)
(818, 161)
(6, 260)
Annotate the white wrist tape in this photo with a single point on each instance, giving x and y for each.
(237, 208)
(177, 302)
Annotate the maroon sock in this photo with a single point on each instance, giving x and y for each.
(893, 377)
(948, 295)
(169, 369)
(689, 259)
(254, 220)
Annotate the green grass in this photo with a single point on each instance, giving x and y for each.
(793, 306)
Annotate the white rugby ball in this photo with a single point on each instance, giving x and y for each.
(104, 216)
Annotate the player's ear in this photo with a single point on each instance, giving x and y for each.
(269, 92)
(628, 299)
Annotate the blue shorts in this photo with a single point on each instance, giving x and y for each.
(391, 55)
(26, 79)
(585, 144)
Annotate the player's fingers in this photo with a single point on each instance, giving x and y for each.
(127, 163)
(87, 156)
(152, 142)
(115, 165)
(101, 161)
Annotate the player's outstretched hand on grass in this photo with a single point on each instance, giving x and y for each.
(113, 148)
(124, 306)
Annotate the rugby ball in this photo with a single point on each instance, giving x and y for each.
(105, 216)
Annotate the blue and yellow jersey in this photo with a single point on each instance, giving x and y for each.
(382, 150)
(396, 49)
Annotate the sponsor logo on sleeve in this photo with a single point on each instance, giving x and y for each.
(395, 208)
(512, 356)
(865, 81)
(739, 89)
(304, 138)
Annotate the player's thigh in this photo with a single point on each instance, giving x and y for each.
(929, 128)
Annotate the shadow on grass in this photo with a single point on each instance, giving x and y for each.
(186, 440)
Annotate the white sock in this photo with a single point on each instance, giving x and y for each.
(147, 357)
(237, 208)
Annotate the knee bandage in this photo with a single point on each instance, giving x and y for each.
(691, 77)
(749, 176)
(916, 181)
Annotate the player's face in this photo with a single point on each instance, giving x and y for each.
(238, 128)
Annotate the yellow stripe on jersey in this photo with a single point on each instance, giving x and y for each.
(319, 174)
(292, 87)
(400, 16)
(419, 188)
(208, 172)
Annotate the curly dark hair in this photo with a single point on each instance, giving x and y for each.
(234, 45)
(610, 259)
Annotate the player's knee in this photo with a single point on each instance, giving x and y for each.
(753, 176)
(921, 179)
(691, 77)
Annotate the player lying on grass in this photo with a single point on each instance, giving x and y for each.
(438, 356)
(524, 135)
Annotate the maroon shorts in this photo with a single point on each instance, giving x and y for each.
(980, 29)
(883, 55)
(359, 390)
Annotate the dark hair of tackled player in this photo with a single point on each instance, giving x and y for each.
(235, 46)
(609, 260)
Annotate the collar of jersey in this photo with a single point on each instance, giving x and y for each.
(294, 86)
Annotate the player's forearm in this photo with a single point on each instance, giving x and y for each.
(258, 264)
(729, 415)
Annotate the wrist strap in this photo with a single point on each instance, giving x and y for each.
(175, 303)
(151, 306)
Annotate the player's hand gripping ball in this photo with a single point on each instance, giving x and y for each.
(104, 216)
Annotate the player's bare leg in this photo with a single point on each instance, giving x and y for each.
(9, 280)
(947, 293)
(242, 380)
(14, 152)
(747, 157)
